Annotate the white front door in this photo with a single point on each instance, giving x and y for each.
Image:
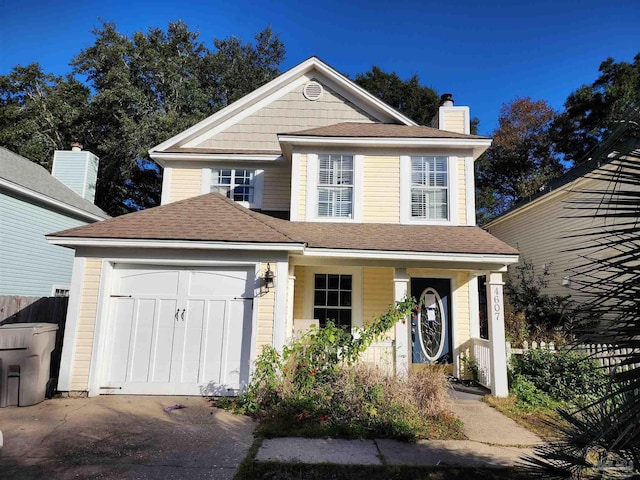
(179, 330)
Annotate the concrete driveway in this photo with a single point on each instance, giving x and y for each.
(122, 437)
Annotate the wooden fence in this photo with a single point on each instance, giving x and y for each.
(17, 309)
(607, 355)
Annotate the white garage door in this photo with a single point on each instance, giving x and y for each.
(178, 331)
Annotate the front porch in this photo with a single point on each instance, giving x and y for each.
(352, 293)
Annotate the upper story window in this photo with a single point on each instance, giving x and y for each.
(237, 184)
(335, 185)
(429, 188)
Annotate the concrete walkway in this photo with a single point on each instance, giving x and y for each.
(493, 440)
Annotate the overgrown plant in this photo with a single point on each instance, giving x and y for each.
(316, 387)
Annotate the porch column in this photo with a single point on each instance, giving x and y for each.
(403, 343)
(280, 308)
(495, 305)
(290, 299)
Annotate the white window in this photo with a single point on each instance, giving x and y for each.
(332, 299)
(236, 184)
(60, 290)
(335, 185)
(429, 188)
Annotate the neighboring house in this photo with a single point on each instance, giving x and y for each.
(549, 229)
(360, 208)
(33, 203)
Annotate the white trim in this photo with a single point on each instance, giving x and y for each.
(356, 290)
(14, 187)
(452, 191)
(185, 244)
(418, 256)
(295, 187)
(71, 325)
(205, 181)
(403, 328)
(455, 342)
(166, 185)
(479, 145)
(280, 305)
(278, 83)
(470, 194)
(162, 158)
(358, 188)
(58, 286)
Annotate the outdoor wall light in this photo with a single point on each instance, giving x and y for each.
(267, 279)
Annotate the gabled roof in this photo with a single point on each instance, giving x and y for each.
(355, 129)
(21, 175)
(214, 218)
(312, 64)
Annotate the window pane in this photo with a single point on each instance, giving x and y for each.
(332, 298)
(345, 299)
(345, 319)
(320, 297)
(334, 282)
(345, 282)
(321, 281)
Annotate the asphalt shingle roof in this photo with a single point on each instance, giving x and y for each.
(22, 171)
(213, 217)
(383, 130)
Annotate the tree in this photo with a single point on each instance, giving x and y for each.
(417, 102)
(40, 112)
(521, 159)
(144, 88)
(592, 111)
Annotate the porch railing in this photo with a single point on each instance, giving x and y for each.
(381, 355)
(481, 353)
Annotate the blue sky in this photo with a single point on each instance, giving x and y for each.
(485, 53)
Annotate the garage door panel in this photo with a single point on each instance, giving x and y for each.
(139, 281)
(218, 283)
(123, 319)
(192, 341)
(142, 341)
(163, 340)
(211, 360)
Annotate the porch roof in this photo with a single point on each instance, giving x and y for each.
(214, 218)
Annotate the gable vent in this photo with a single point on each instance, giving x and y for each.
(312, 91)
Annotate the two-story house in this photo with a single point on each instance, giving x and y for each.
(308, 199)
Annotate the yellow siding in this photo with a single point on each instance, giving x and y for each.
(381, 196)
(462, 193)
(377, 292)
(454, 121)
(266, 304)
(185, 183)
(277, 189)
(302, 181)
(86, 325)
(298, 295)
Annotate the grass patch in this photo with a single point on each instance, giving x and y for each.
(291, 471)
(534, 419)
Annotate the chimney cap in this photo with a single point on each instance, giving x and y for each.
(446, 100)
(76, 146)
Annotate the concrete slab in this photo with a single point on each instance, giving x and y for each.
(111, 437)
(465, 453)
(319, 450)
(485, 424)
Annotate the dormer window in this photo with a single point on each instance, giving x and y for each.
(335, 185)
(236, 184)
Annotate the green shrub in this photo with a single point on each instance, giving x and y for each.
(564, 376)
